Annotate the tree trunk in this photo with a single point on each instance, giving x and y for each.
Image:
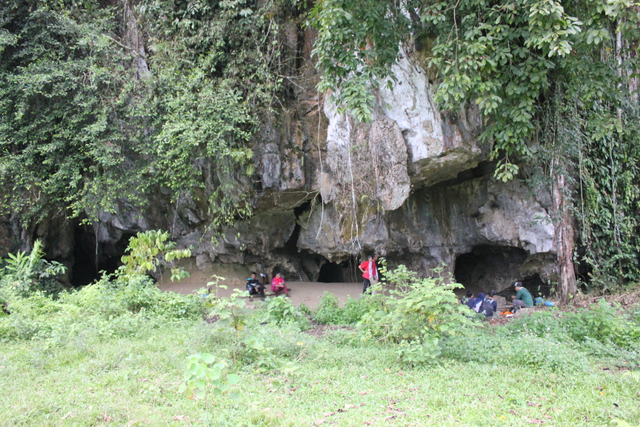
(564, 241)
(134, 41)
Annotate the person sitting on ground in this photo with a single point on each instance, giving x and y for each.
(477, 302)
(489, 305)
(369, 271)
(494, 303)
(278, 285)
(522, 298)
(254, 286)
(467, 299)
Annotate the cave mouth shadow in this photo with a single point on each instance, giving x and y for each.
(331, 272)
(108, 257)
(489, 267)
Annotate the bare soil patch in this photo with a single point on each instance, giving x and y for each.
(308, 293)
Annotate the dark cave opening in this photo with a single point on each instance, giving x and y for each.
(84, 269)
(111, 254)
(489, 267)
(331, 272)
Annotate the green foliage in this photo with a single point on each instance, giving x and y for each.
(102, 379)
(555, 341)
(118, 305)
(501, 59)
(228, 312)
(329, 311)
(25, 274)
(88, 122)
(280, 310)
(106, 308)
(204, 376)
(610, 196)
(602, 322)
(150, 249)
(415, 314)
(71, 129)
(357, 42)
(271, 347)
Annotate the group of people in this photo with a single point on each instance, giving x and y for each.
(257, 286)
(487, 304)
(484, 304)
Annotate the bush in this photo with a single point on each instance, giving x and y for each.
(24, 274)
(330, 313)
(603, 322)
(116, 305)
(280, 310)
(416, 314)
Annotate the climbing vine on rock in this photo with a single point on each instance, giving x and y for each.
(520, 63)
(108, 102)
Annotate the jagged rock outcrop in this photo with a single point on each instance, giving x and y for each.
(414, 185)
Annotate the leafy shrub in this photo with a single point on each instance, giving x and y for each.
(116, 305)
(280, 310)
(553, 340)
(305, 309)
(149, 250)
(101, 307)
(603, 322)
(229, 311)
(329, 311)
(415, 314)
(25, 273)
(355, 309)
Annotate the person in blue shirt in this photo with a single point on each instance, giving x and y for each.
(477, 302)
(491, 305)
(465, 300)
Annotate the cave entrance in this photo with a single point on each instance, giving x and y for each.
(85, 270)
(489, 267)
(330, 272)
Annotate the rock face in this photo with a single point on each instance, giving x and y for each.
(415, 185)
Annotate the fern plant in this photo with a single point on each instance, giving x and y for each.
(27, 273)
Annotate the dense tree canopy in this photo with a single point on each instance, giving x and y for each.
(108, 100)
(556, 82)
(89, 117)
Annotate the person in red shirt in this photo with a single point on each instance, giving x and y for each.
(278, 285)
(369, 271)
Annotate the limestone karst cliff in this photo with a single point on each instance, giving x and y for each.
(414, 185)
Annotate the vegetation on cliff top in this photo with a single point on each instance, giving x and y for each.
(108, 101)
(102, 102)
(557, 85)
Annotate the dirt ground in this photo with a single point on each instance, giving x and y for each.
(235, 277)
(308, 293)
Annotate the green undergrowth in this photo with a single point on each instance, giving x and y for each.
(292, 378)
(121, 352)
(105, 308)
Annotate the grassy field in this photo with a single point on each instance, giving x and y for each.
(295, 379)
(122, 352)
